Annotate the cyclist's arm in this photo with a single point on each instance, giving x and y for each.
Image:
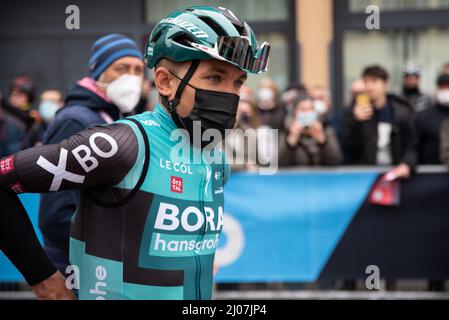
(19, 242)
(97, 156)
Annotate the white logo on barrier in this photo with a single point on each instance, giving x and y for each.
(235, 244)
(87, 162)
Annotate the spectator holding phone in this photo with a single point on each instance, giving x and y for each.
(308, 142)
(378, 127)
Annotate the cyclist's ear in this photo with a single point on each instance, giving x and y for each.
(166, 84)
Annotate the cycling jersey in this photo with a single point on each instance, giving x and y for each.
(146, 226)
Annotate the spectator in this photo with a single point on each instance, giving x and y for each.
(378, 127)
(322, 102)
(410, 88)
(290, 95)
(429, 125)
(11, 134)
(50, 102)
(113, 88)
(309, 142)
(18, 108)
(268, 103)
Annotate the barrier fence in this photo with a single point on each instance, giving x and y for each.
(310, 225)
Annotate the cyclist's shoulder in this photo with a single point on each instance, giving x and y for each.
(148, 119)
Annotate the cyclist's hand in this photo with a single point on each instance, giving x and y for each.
(53, 288)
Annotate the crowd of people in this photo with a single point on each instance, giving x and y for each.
(378, 127)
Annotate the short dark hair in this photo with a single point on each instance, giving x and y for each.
(302, 97)
(375, 71)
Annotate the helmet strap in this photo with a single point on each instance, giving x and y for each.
(173, 103)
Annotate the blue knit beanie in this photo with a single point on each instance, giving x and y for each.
(108, 49)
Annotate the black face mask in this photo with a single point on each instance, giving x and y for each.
(214, 109)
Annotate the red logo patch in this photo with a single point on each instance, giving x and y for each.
(17, 187)
(7, 165)
(176, 184)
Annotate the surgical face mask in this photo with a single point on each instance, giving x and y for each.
(47, 110)
(214, 110)
(307, 118)
(443, 97)
(320, 106)
(125, 92)
(265, 94)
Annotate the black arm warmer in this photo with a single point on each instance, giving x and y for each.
(19, 242)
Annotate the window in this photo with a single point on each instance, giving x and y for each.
(250, 10)
(392, 49)
(358, 6)
(270, 20)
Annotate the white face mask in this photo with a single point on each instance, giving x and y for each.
(265, 94)
(320, 106)
(443, 97)
(125, 92)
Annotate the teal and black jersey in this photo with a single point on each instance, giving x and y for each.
(149, 217)
(161, 244)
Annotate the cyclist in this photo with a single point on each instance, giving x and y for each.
(150, 212)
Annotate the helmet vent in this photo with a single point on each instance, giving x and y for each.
(156, 36)
(183, 39)
(214, 26)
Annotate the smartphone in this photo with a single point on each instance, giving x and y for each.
(363, 100)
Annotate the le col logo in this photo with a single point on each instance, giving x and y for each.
(83, 155)
(175, 166)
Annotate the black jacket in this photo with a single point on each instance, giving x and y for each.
(360, 137)
(428, 127)
(81, 110)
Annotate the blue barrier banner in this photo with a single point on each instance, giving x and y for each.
(8, 273)
(304, 226)
(284, 227)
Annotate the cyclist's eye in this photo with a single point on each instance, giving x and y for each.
(215, 79)
(238, 84)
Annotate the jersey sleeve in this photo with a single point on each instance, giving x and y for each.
(98, 156)
(19, 242)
